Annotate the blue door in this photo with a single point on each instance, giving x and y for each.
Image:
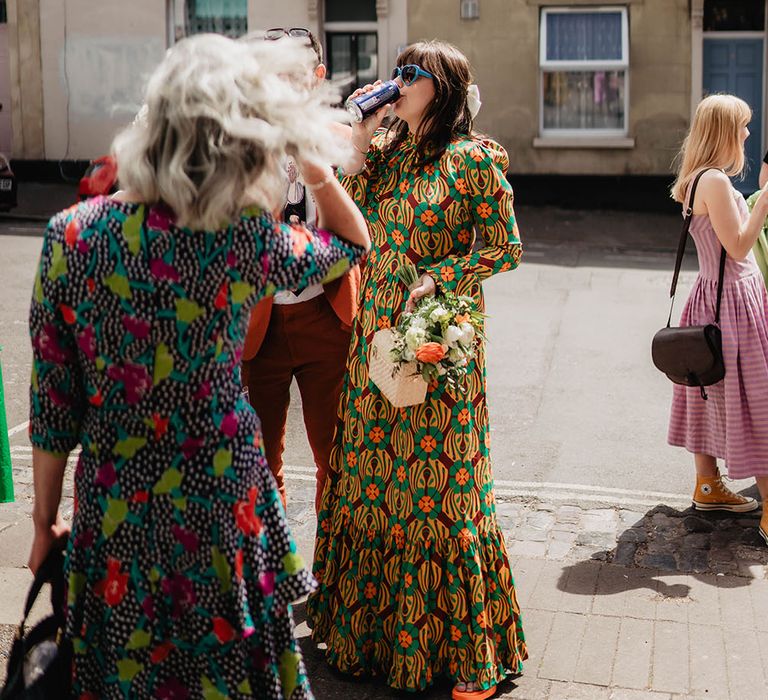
(736, 66)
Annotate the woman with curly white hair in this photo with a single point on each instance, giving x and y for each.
(180, 565)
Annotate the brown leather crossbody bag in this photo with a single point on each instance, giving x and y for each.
(691, 355)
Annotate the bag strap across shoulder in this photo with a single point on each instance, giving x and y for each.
(681, 253)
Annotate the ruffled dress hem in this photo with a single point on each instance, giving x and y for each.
(470, 570)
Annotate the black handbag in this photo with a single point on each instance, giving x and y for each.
(691, 355)
(40, 662)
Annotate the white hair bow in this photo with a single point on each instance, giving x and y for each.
(473, 100)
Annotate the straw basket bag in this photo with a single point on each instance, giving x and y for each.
(401, 385)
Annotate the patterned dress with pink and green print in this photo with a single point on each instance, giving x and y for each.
(181, 568)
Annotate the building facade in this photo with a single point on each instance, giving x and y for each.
(570, 87)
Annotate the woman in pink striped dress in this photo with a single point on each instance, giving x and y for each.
(733, 423)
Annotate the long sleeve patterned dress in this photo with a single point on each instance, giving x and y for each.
(414, 575)
(180, 566)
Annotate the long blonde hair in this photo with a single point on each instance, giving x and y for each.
(221, 115)
(714, 140)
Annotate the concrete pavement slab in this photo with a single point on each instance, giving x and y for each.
(634, 649)
(14, 584)
(708, 667)
(15, 543)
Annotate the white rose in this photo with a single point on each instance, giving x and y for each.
(467, 333)
(438, 315)
(414, 337)
(452, 335)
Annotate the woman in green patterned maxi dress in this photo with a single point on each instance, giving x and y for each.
(414, 576)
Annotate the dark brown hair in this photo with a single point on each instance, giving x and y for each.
(448, 117)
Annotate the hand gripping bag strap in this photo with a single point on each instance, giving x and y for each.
(55, 679)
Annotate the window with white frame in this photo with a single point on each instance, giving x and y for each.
(469, 9)
(228, 17)
(584, 63)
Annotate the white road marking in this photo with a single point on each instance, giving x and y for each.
(579, 487)
(18, 428)
(540, 491)
(585, 497)
(549, 491)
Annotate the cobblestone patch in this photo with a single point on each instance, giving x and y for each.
(664, 538)
(685, 541)
(7, 634)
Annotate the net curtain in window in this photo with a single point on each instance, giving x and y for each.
(228, 17)
(584, 36)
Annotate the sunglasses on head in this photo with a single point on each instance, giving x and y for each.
(280, 32)
(296, 33)
(410, 74)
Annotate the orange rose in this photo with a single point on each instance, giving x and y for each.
(430, 353)
(461, 318)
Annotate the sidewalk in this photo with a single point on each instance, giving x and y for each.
(621, 605)
(657, 603)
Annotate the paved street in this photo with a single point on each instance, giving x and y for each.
(573, 396)
(626, 593)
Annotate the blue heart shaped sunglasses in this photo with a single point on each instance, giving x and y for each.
(410, 74)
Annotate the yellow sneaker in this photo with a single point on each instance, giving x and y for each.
(712, 494)
(763, 529)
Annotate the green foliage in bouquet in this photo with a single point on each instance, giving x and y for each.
(440, 335)
(408, 274)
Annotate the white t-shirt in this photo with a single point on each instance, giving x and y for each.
(295, 194)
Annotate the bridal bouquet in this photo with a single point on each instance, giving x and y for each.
(435, 342)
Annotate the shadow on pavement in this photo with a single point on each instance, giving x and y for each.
(716, 548)
(600, 238)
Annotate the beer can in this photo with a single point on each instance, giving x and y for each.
(366, 104)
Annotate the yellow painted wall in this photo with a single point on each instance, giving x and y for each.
(503, 48)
